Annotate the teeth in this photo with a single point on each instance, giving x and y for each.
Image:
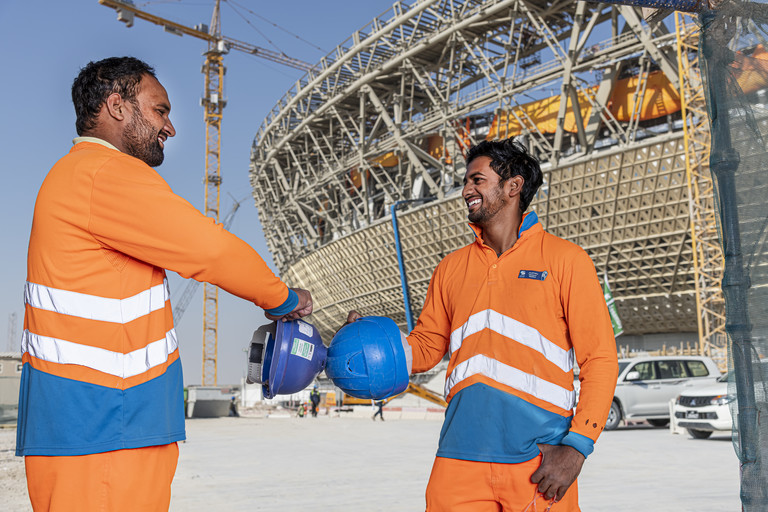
(473, 202)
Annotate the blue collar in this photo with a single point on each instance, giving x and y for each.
(530, 219)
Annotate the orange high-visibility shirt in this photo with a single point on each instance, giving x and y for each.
(101, 359)
(513, 326)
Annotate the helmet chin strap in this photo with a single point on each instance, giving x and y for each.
(256, 352)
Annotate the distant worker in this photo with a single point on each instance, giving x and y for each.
(513, 309)
(101, 405)
(314, 398)
(233, 408)
(379, 404)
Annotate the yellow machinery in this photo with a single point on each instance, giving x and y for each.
(416, 389)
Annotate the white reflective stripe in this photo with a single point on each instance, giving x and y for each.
(512, 377)
(94, 307)
(113, 363)
(515, 330)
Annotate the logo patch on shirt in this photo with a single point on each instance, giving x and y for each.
(537, 275)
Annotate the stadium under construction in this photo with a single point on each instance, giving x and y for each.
(357, 171)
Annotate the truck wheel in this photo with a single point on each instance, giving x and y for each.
(659, 423)
(614, 417)
(699, 434)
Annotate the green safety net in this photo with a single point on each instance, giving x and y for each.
(733, 59)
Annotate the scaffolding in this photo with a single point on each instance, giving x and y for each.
(591, 89)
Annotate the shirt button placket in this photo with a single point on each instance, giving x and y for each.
(493, 273)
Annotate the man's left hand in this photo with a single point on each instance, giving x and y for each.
(560, 465)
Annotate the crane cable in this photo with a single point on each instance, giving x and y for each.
(235, 5)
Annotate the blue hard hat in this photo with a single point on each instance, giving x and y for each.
(368, 359)
(284, 357)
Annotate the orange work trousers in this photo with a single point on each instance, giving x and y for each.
(468, 486)
(117, 481)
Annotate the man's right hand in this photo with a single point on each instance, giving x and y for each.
(560, 465)
(351, 317)
(303, 308)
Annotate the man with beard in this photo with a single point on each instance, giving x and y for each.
(101, 400)
(513, 309)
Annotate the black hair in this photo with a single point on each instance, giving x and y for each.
(510, 158)
(97, 80)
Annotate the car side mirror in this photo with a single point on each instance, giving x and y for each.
(632, 376)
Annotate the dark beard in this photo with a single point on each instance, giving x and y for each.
(485, 213)
(141, 142)
(477, 217)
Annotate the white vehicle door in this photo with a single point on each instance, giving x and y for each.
(673, 380)
(641, 396)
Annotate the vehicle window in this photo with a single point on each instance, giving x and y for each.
(646, 370)
(671, 369)
(696, 369)
(622, 366)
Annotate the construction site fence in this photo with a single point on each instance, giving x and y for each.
(684, 349)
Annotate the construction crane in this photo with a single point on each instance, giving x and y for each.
(213, 103)
(708, 259)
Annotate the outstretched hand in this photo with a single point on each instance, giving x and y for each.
(303, 308)
(560, 465)
(351, 317)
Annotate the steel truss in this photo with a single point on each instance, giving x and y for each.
(708, 261)
(388, 114)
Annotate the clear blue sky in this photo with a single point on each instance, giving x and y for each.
(46, 43)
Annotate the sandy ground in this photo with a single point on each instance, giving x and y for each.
(13, 486)
(354, 464)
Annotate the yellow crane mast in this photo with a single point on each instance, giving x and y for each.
(213, 102)
(708, 259)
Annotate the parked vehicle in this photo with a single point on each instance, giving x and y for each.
(646, 385)
(703, 410)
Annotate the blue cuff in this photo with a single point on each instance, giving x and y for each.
(579, 442)
(286, 307)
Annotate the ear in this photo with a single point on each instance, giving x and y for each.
(515, 184)
(115, 106)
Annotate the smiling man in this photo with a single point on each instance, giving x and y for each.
(513, 310)
(101, 405)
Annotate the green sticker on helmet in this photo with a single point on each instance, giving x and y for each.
(303, 349)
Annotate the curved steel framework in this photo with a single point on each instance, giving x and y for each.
(388, 114)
